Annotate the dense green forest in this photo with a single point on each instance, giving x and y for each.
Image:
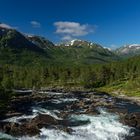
(87, 76)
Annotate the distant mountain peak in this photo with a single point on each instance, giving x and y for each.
(129, 50)
(133, 46)
(74, 40)
(77, 43)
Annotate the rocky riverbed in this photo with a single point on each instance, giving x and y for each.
(51, 115)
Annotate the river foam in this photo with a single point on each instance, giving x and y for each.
(39, 110)
(105, 126)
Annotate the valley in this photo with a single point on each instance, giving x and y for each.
(71, 90)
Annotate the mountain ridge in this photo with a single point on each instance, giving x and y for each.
(128, 50)
(37, 47)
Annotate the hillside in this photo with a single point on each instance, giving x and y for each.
(15, 48)
(21, 49)
(78, 51)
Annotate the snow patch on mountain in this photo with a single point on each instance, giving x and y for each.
(129, 49)
(107, 48)
(134, 46)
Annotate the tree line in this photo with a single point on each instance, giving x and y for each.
(87, 76)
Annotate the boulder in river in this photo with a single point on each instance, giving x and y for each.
(120, 111)
(16, 129)
(132, 120)
(43, 120)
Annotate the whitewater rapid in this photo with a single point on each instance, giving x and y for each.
(105, 126)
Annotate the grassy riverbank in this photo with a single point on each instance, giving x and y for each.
(127, 88)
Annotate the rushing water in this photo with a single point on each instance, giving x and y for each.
(105, 126)
(102, 127)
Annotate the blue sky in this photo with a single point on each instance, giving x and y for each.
(111, 23)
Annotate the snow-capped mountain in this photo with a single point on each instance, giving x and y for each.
(34, 48)
(129, 50)
(79, 43)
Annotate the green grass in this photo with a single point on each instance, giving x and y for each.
(128, 88)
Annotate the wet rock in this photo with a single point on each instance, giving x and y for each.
(65, 129)
(132, 120)
(120, 111)
(43, 120)
(16, 129)
(135, 138)
(27, 127)
(81, 104)
(21, 104)
(72, 122)
(92, 111)
(88, 102)
(10, 128)
(63, 115)
(74, 106)
(30, 129)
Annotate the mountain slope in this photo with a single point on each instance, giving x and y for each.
(14, 39)
(41, 42)
(84, 52)
(17, 48)
(128, 50)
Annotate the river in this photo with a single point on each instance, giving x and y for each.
(84, 125)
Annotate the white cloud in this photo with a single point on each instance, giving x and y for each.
(69, 30)
(35, 24)
(3, 25)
